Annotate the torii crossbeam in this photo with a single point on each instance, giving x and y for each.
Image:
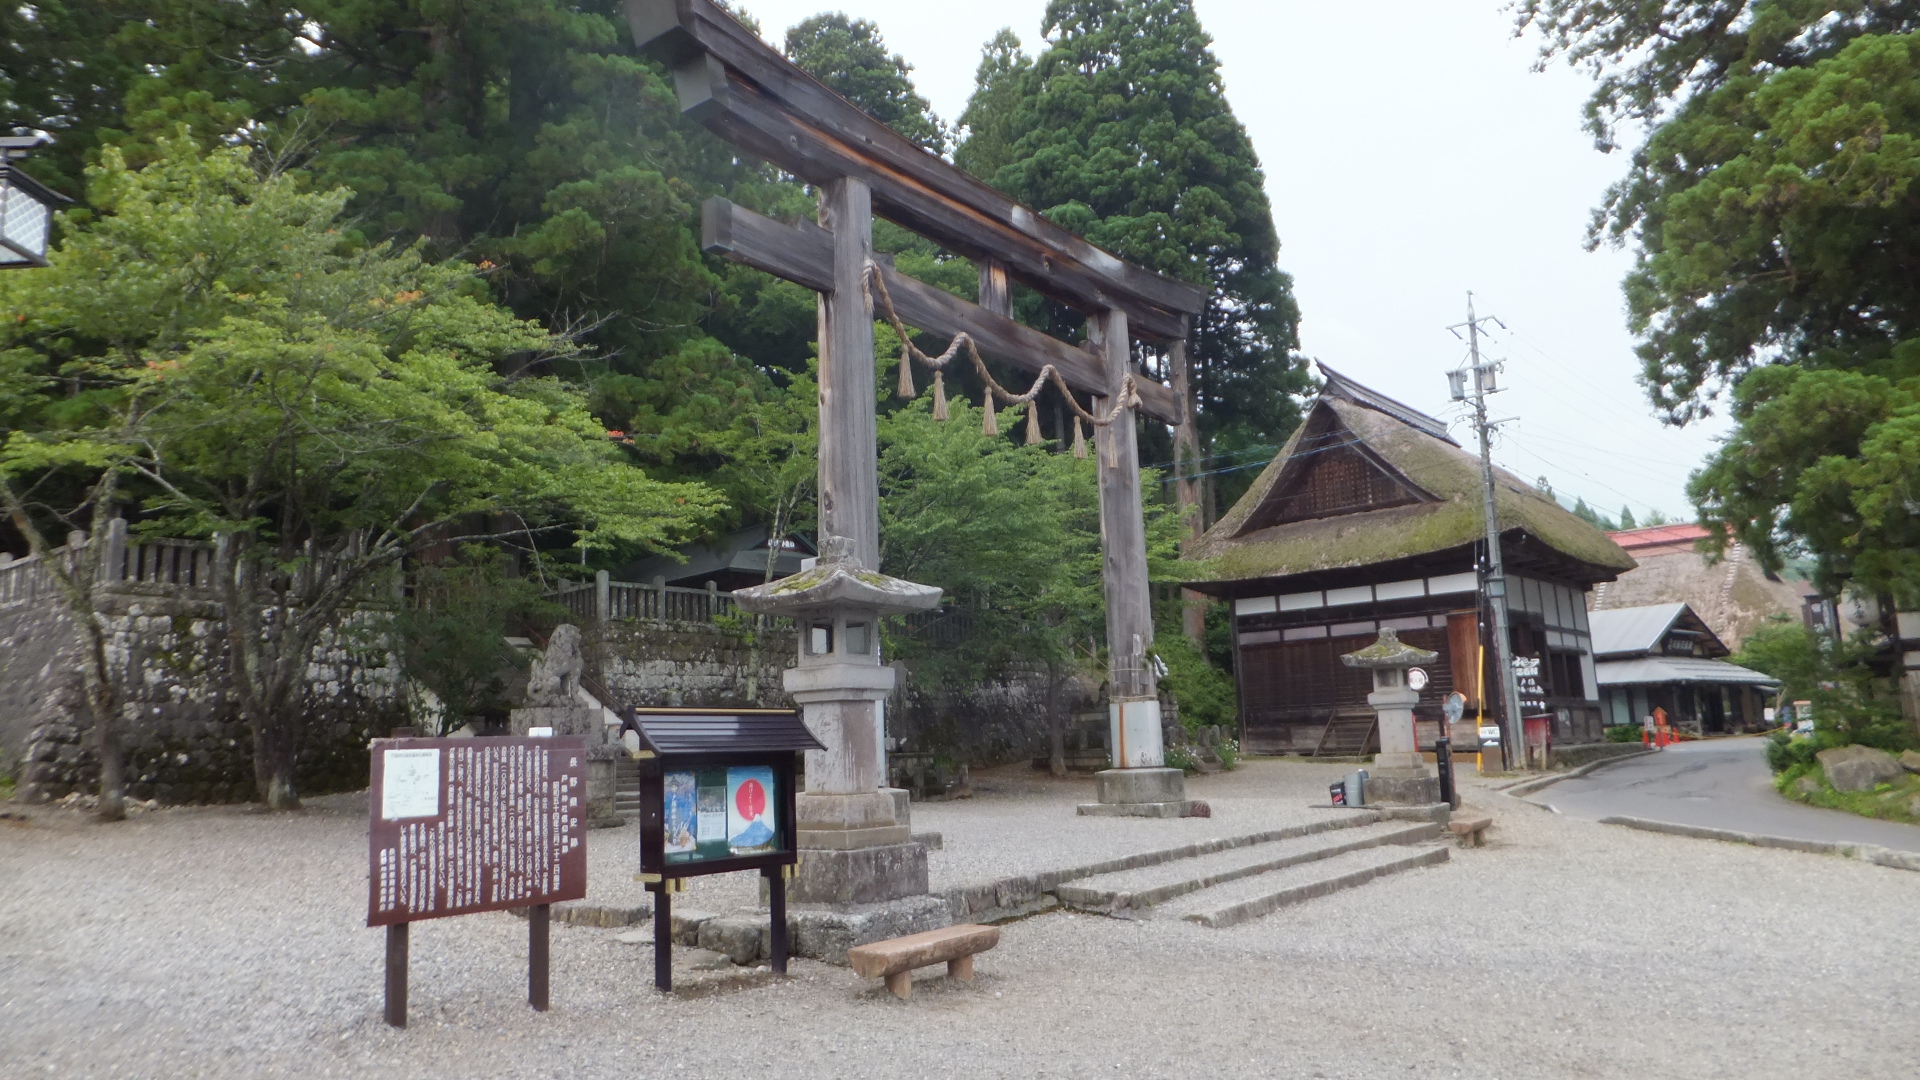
(743, 90)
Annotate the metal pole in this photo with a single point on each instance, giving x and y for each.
(1494, 584)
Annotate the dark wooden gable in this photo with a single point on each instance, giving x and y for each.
(1691, 636)
(1331, 473)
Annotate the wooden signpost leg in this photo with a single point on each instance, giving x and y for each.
(397, 974)
(537, 941)
(777, 911)
(663, 940)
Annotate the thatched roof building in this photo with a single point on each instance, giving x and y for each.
(1733, 595)
(1371, 516)
(1418, 494)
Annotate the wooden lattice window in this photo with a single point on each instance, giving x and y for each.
(1340, 480)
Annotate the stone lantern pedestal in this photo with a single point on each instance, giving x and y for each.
(1399, 776)
(855, 847)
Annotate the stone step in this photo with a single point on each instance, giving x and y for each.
(1136, 893)
(1262, 894)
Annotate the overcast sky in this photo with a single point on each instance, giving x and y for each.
(1411, 155)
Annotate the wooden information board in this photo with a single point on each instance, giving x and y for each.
(459, 826)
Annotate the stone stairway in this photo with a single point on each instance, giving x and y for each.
(626, 786)
(1225, 888)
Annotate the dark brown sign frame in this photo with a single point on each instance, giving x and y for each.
(465, 826)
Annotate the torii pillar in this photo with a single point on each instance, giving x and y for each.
(1139, 784)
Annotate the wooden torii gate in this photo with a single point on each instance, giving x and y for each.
(747, 93)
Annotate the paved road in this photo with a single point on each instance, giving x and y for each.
(1721, 784)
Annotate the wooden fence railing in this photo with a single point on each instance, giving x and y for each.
(604, 599)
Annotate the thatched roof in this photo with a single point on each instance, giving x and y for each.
(1733, 596)
(1446, 515)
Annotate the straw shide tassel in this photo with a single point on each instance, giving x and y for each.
(989, 423)
(1113, 450)
(939, 395)
(906, 389)
(1033, 423)
(1079, 440)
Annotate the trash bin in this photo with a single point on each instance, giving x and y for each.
(1357, 788)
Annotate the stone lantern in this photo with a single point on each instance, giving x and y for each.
(1399, 775)
(855, 848)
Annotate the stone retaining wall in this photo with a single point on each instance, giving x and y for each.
(694, 664)
(183, 738)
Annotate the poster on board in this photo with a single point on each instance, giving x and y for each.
(751, 811)
(680, 812)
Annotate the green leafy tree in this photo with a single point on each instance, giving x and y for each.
(1851, 703)
(1774, 214)
(1626, 517)
(988, 126)
(851, 57)
(1120, 131)
(1011, 533)
(85, 70)
(450, 632)
(529, 136)
(213, 348)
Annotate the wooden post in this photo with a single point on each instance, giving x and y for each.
(996, 295)
(1186, 488)
(1122, 532)
(777, 912)
(849, 472)
(397, 974)
(538, 920)
(662, 938)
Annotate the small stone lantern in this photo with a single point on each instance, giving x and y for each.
(1399, 775)
(857, 848)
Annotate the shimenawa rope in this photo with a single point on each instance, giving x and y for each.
(1128, 399)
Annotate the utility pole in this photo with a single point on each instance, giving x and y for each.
(1493, 587)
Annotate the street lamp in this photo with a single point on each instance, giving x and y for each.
(26, 206)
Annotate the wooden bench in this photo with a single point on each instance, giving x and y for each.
(895, 959)
(1470, 830)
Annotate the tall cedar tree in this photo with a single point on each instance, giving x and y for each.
(1777, 224)
(529, 134)
(851, 57)
(1120, 131)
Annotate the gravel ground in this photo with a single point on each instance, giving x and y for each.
(225, 943)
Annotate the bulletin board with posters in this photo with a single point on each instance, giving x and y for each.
(717, 794)
(717, 790)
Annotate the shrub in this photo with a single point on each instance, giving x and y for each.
(1204, 692)
(1229, 751)
(1624, 733)
(1179, 757)
(1786, 752)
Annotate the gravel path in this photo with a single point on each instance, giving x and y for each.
(228, 944)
